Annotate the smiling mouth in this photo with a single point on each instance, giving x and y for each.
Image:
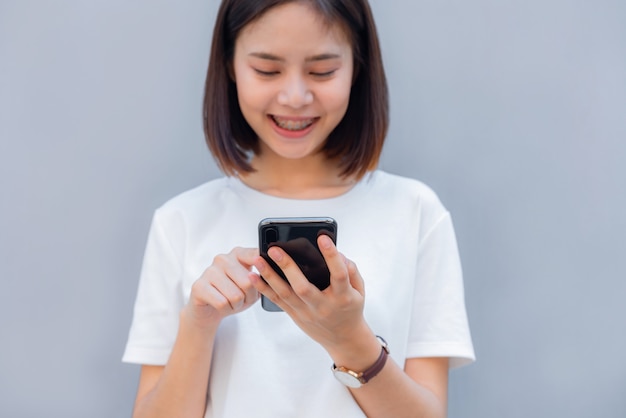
(291, 124)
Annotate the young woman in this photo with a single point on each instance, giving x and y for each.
(296, 115)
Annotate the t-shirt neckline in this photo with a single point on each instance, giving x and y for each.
(248, 192)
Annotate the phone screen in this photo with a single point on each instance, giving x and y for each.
(298, 238)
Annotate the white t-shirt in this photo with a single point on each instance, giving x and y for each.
(396, 231)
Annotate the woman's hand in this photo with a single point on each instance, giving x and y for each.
(331, 317)
(224, 288)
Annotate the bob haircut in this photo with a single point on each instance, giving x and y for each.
(356, 142)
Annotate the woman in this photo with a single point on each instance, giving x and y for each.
(296, 115)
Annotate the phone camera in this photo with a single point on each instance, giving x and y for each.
(271, 235)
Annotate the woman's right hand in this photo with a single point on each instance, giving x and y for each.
(224, 288)
(180, 387)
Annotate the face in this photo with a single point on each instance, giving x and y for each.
(293, 75)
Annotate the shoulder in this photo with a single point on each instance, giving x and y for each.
(405, 198)
(395, 187)
(197, 195)
(198, 202)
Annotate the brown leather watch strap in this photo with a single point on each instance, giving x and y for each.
(378, 365)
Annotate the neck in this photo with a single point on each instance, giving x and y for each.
(307, 178)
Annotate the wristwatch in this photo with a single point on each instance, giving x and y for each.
(354, 379)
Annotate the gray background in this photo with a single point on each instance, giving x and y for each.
(513, 111)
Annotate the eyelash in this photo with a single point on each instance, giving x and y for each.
(324, 75)
(273, 73)
(265, 73)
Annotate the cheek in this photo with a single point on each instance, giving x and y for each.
(339, 93)
(336, 99)
(252, 95)
(248, 98)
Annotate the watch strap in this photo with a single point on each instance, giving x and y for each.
(377, 366)
(373, 370)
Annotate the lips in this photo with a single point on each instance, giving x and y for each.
(293, 124)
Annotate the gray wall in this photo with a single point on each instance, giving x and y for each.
(514, 111)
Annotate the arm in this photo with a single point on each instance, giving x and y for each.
(420, 390)
(334, 318)
(180, 387)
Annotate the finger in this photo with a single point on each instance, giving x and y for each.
(278, 290)
(217, 295)
(234, 289)
(339, 277)
(236, 267)
(356, 280)
(262, 287)
(246, 256)
(271, 279)
(300, 285)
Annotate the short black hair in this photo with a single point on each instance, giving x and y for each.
(358, 139)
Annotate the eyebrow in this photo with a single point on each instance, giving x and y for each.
(272, 57)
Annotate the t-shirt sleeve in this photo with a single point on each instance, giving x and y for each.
(158, 303)
(440, 327)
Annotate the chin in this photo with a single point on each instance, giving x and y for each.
(292, 154)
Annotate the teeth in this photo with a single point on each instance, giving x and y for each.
(293, 125)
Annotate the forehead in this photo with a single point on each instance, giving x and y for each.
(293, 23)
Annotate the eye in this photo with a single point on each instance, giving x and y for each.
(325, 74)
(265, 73)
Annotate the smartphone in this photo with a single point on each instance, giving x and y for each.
(298, 238)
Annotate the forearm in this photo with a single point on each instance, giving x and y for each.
(420, 391)
(394, 394)
(182, 386)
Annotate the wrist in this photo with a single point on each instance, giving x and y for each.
(357, 378)
(356, 351)
(189, 319)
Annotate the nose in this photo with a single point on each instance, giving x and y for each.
(295, 93)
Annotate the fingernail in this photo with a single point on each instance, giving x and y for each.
(275, 254)
(325, 241)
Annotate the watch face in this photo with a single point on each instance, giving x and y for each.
(347, 379)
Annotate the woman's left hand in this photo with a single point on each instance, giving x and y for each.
(332, 317)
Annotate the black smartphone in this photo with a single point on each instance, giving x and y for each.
(298, 238)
